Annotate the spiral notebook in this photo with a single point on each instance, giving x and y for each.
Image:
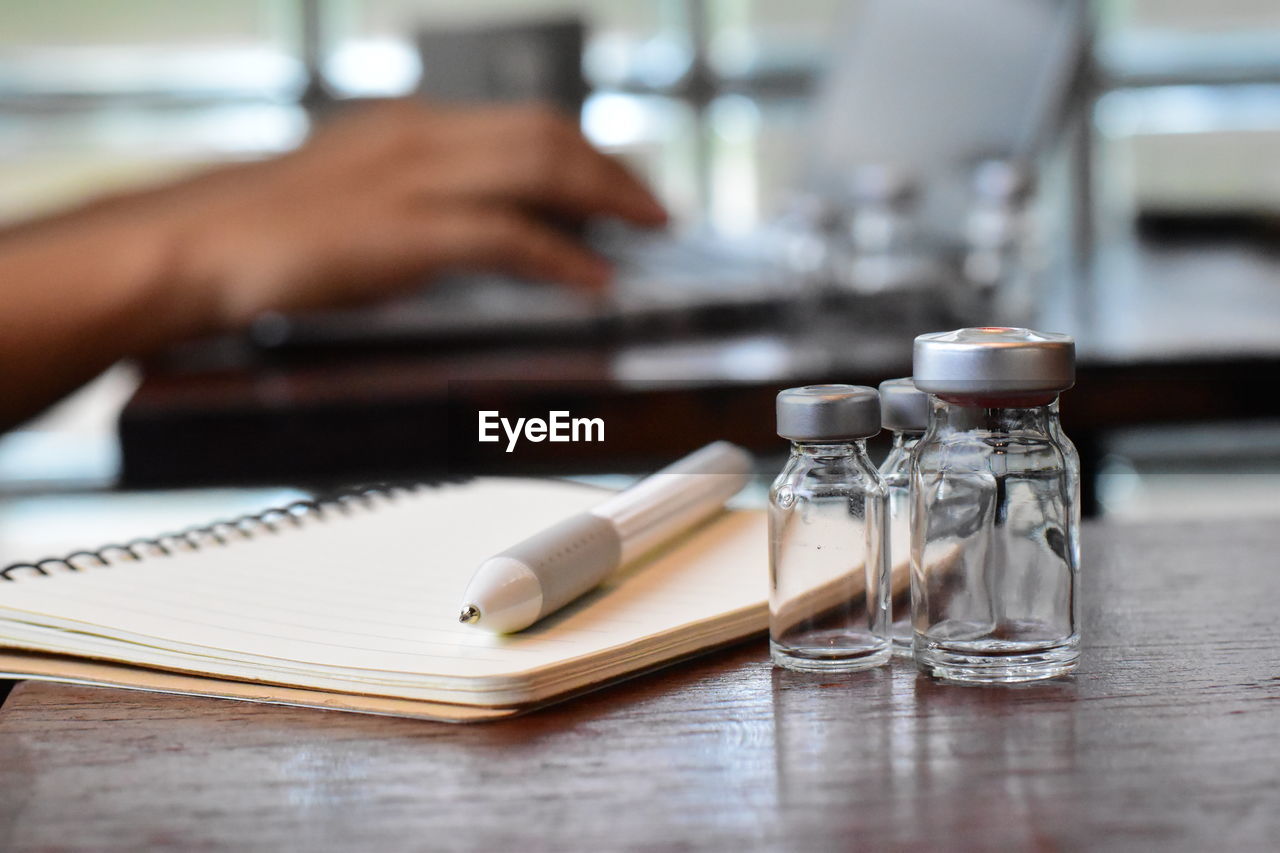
(352, 605)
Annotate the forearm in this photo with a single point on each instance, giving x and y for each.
(79, 293)
(378, 202)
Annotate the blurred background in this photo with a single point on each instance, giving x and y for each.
(1118, 178)
(101, 95)
(710, 98)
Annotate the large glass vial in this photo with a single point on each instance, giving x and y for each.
(904, 409)
(829, 579)
(995, 496)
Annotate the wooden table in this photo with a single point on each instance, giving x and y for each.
(1168, 738)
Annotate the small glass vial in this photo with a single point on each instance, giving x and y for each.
(1001, 263)
(882, 253)
(829, 580)
(995, 496)
(904, 409)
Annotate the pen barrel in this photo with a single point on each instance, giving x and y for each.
(569, 558)
(677, 497)
(538, 576)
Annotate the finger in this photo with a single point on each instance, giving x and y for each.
(568, 181)
(530, 156)
(505, 240)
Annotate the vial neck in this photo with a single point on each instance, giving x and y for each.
(827, 449)
(950, 416)
(905, 439)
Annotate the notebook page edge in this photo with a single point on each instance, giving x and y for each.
(551, 676)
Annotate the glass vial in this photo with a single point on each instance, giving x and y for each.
(883, 247)
(904, 409)
(829, 579)
(1001, 263)
(995, 496)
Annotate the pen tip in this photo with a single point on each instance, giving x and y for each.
(470, 615)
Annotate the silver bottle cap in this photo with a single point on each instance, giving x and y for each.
(994, 360)
(903, 406)
(828, 413)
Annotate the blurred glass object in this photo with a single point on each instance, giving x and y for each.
(804, 240)
(889, 268)
(829, 574)
(808, 232)
(883, 230)
(1000, 263)
(904, 412)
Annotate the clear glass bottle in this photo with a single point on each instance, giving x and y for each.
(1001, 262)
(995, 496)
(1071, 457)
(829, 579)
(808, 240)
(883, 246)
(904, 409)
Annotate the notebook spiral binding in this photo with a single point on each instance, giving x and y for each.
(219, 533)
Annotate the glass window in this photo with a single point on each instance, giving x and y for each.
(243, 47)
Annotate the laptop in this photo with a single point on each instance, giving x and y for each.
(985, 78)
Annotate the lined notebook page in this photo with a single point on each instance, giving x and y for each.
(369, 602)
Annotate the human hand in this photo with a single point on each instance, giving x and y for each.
(390, 194)
(377, 201)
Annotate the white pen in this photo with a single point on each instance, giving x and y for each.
(511, 591)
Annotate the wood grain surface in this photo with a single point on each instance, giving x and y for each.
(1168, 738)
